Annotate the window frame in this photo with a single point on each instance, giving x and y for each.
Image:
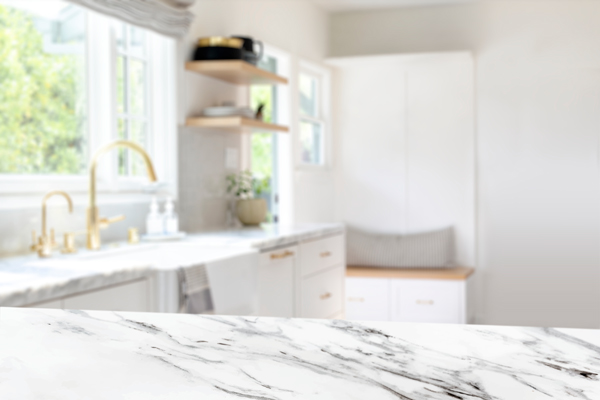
(101, 52)
(323, 94)
(128, 116)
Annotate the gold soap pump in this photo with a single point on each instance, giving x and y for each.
(45, 244)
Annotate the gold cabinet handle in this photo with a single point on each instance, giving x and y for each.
(425, 302)
(325, 254)
(357, 299)
(325, 296)
(279, 256)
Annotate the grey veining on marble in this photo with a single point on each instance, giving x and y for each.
(58, 354)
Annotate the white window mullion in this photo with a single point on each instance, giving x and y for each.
(101, 94)
(162, 103)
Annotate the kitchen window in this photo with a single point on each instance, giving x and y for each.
(313, 86)
(72, 80)
(264, 145)
(132, 94)
(42, 88)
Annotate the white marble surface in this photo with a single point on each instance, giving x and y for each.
(29, 280)
(56, 354)
(34, 281)
(268, 235)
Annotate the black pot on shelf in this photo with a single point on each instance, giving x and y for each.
(248, 52)
(217, 53)
(219, 48)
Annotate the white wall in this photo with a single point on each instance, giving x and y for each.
(538, 126)
(406, 145)
(297, 28)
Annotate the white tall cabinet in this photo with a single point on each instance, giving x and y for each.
(405, 144)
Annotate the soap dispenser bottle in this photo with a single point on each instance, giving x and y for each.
(154, 221)
(171, 220)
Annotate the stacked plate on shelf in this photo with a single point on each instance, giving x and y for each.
(228, 111)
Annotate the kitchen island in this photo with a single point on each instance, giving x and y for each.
(62, 354)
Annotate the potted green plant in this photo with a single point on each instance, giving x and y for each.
(250, 210)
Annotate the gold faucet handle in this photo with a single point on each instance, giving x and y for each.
(105, 222)
(69, 246)
(44, 247)
(52, 239)
(133, 236)
(34, 241)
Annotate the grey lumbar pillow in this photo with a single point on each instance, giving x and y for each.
(419, 250)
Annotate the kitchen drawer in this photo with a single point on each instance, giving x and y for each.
(131, 296)
(416, 300)
(322, 294)
(321, 254)
(276, 283)
(368, 299)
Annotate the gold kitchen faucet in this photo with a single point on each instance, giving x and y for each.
(94, 221)
(45, 244)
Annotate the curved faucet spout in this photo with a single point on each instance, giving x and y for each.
(45, 199)
(93, 220)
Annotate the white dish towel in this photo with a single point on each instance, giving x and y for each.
(194, 290)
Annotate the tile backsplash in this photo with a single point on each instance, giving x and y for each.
(203, 199)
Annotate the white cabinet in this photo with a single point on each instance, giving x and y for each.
(304, 281)
(131, 296)
(420, 300)
(320, 254)
(276, 282)
(368, 299)
(323, 294)
(382, 298)
(320, 288)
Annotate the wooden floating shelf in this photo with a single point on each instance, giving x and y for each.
(235, 124)
(235, 71)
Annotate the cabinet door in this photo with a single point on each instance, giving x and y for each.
(126, 297)
(368, 299)
(420, 300)
(323, 294)
(276, 283)
(318, 255)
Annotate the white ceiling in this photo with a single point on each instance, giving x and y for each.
(349, 5)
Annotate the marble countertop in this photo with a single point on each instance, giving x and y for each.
(28, 279)
(61, 354)
(267, 236)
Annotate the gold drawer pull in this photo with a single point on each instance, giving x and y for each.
(285, 254)
(425, 302)
(325, 254)
(325, 296)
(357, 299)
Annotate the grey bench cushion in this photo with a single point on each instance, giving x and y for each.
(420, 250)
